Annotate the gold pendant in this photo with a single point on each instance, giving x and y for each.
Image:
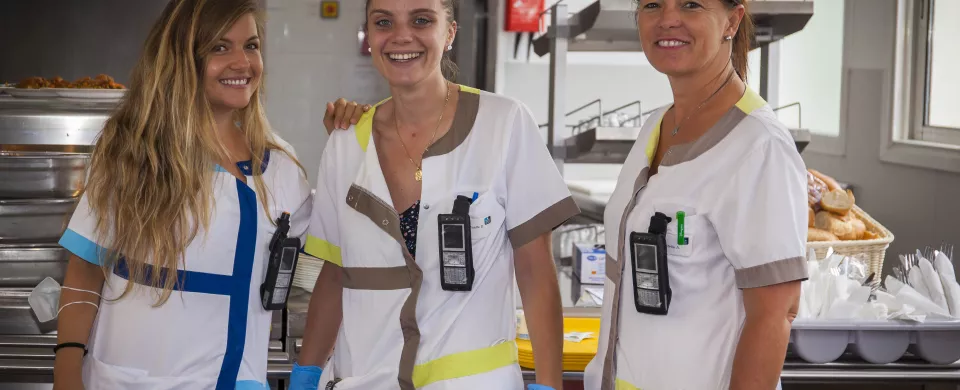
(418, 175)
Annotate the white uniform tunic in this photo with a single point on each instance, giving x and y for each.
(400, 329)
(743, 189)
(213, 332)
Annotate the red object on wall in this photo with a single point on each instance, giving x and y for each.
(524, 15)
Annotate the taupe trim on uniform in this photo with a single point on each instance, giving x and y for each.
(611, 267)
(378, 278)
(609, 378)
(682, 153)
(467, 108)
(780, 271)
(386, 217)
(546, 221)
(382, 214)
(408, 323)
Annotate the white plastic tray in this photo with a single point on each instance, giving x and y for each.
(879, 342)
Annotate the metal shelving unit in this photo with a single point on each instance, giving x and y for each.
(610, 25)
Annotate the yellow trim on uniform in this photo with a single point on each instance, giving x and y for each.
(624, 385)
(653, 142)
(323, 250)
(463, 364)
(464, 88)
(750, 101)
(364, 126)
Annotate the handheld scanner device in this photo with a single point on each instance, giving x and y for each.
(284, 254)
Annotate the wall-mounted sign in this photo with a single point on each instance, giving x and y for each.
(329, 9)
(524, 15)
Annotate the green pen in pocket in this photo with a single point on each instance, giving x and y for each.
(681, 234)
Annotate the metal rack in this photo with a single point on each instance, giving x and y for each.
(44, 152)
(610, 25)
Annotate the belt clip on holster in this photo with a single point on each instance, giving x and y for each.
(284, 254)
(648, 252)
(456, 252)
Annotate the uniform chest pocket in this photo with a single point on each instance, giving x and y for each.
(486, 216)
(677, 244)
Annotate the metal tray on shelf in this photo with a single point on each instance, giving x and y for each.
(29, 175)
(34, 221)
(16, 317)
(27, 265)
(51, 122)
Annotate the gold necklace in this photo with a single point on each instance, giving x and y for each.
(419, 174)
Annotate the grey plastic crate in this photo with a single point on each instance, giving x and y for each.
(879, 342)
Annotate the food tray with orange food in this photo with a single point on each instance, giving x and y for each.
(835, 221)
(576, 355)
(102, 87)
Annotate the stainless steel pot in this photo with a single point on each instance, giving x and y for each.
(39, 174)
(27, 265)
(34, 220)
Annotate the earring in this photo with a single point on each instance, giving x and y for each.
(369, 50)
(727, 38)
(450, 47)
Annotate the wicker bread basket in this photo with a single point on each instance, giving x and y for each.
(875, 250)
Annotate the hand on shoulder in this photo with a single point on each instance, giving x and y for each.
(341, 114)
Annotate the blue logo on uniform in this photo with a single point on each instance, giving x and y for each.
(486, 221)
(592, 258)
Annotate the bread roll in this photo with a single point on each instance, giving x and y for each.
(829, 181)
(837, 201)
(815, 189)
(868, 235)
(858, 226)
(835, 224)
(813, 216)
(814, 234)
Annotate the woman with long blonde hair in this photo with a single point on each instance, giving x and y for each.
(186, 176)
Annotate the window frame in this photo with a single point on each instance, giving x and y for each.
(898, 145)
(836, 145)
(917, 52)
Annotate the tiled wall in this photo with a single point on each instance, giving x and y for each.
(309, 62)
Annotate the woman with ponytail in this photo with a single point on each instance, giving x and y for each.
(714, 181)
(427, 210)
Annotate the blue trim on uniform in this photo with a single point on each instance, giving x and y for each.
(251, 385)
(82, 247)
(240, 292)
(189, 281)
(246, 167)
(236, 286)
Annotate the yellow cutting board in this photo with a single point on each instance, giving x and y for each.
(576, 356)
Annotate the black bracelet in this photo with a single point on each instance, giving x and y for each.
(71, 345)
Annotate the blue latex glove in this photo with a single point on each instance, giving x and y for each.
(304, 377)
(539, 387)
